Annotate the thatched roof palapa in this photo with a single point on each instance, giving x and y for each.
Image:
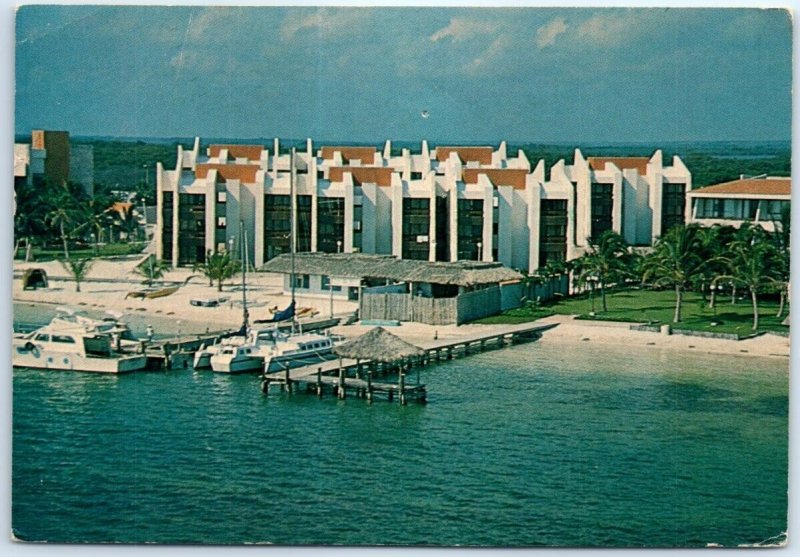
(360, 265)
(378, 345)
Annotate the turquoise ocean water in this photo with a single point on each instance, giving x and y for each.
(539, 444)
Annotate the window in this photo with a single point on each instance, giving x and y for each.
(42, 337)
(416, 175)
(63, 338)
(602, 208)
(553, 231)
(221, 197)
(222, 222)
(673, 202)
(301, 281)
(771, 210)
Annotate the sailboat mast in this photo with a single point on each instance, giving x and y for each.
(292, 217)
(243, 255)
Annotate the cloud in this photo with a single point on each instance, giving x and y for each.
(606, 30)
(546, 35)
(328, 22)
(490, 55)
(462, 28)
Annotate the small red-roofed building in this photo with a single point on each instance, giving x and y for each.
(758, 199)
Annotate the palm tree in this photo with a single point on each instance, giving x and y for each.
(61, 217)
(95, 217)
(152, 269)
(583, 279)
(781, 240)
(218, 267)
(712, 243)
(78, 270)
(608, 260)
(751, 264)
(675, 261)
(127, 222)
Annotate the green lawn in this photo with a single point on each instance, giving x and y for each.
(105, 250)
(643, 306)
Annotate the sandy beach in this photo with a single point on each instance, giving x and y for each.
(111, 281)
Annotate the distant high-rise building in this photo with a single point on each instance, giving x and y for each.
(50, 155)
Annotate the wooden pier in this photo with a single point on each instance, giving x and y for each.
(344, 376)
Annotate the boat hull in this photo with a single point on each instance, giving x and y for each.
(280, 362)
(249, 364)
(66, 361)
(201, 360)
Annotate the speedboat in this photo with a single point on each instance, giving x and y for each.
(76, 342)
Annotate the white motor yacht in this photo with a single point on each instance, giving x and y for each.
(76, 342)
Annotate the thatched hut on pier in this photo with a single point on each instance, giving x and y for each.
(379, 346)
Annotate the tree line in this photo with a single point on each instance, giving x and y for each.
(52, 209)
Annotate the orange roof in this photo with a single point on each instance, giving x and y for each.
(514, 177)
(482, 155)
(245, 173)
(364, 154)
(249, 152)
(750, 186)
(623, 163)
(363, 174)
(120, 207)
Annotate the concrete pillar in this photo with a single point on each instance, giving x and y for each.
(314, 209)
(176, 203)
(488, 212)
(533, 194)
(159, 211)
(453, 229)
(619, 201)
(506, 225)
(258, 241)
(397, 216)
(432, 223)
(369, 218)
(349, 213)
(211, 215)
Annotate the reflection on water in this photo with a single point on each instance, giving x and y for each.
(538, 444)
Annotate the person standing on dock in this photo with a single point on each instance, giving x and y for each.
(150, 333)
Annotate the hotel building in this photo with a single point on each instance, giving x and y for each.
(759, 199)
(446, 203)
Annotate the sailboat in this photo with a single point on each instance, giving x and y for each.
(272, 349)
(203, 356)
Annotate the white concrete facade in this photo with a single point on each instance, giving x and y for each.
(471, 202)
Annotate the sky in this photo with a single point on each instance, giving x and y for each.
(406, 73)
